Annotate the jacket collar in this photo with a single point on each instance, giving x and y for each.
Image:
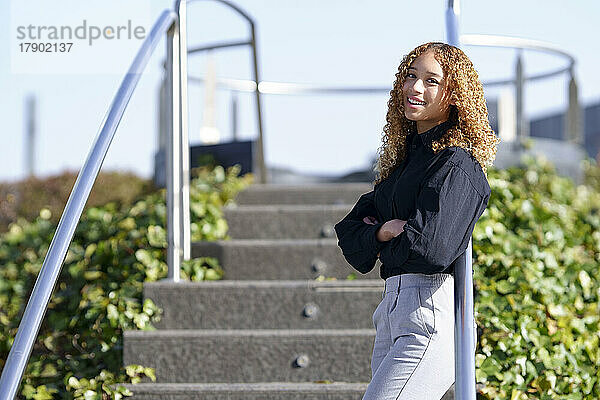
(416, 140)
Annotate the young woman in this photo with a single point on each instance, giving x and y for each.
(431, 190)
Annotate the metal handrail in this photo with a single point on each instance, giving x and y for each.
(178, 151)
(260, 148)
(291, 88)
(515, 42)
(38, 302)
(464, 308)
(287, 88)
(572, 120)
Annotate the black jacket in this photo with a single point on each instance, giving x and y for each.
(441, 196)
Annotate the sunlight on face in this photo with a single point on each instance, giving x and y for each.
(425, 86)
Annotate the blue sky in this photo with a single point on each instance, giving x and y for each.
(334, 42)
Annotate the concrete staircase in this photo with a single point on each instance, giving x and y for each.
(268, 330)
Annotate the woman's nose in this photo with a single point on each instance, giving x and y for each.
(418, 86)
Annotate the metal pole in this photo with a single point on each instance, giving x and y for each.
(260, 150)
(522, 131)
(452, 14)
(161, 139)
(234, 116)
(464, 323)
(573, 123)
(181, 8)
(465, 339)
(174, 251)
(30, 141)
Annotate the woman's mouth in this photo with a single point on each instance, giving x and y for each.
(414, 103)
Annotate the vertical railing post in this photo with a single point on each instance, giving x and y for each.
(260, 152)
(522, 131)
(464, 326)
(234, 116)
(163, 128)
(31, 133)
(573, 131)
(174, 252)
(452, 13)
(163, 110)
(184, 193)
(464, 323)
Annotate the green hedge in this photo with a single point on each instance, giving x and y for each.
(536, 254)
(115, 249)
(27, 197)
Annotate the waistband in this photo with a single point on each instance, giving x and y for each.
(402, 281)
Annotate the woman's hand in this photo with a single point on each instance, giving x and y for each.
(370, 220)
(388, 230)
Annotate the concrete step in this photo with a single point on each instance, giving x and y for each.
(287, 259)
(248, 391)
(325, 193)
(266, 304)
(284, 221)
(253, 391)
(270, 355)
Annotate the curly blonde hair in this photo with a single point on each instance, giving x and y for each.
(471, 129)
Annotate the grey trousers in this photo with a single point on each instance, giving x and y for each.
(413, 353)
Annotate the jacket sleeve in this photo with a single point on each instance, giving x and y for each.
(439, 230)
(356, 238)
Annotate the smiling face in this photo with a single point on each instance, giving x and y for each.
(425, 86)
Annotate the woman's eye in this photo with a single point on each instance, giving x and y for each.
(433, 80)
(409, 75)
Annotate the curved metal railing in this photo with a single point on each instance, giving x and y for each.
(511, 42)
(34, 313)
(518, 80)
